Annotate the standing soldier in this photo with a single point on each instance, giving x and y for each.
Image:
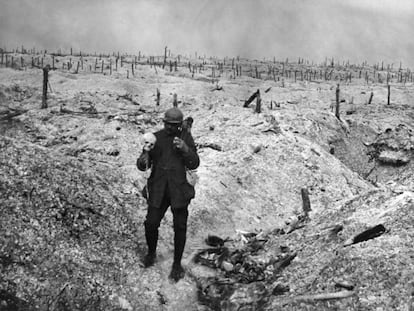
(173, 153)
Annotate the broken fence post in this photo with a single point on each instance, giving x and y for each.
(370, 98)
(258, 102)
(337, 102)
(175, 102)
(306, 206)
(158, 97)
(389, 94)
(45, 84)
(251, 98)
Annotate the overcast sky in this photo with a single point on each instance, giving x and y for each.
(358, 30)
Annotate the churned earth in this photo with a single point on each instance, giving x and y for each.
(72, 214)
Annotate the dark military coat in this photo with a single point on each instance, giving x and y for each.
(168, 170)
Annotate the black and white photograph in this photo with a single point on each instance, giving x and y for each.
(206, 155)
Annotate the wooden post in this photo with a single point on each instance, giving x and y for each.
(389, 94)
(127, 74)
(165, 58)
(110, 66)
(77, 67)
(132, 69)
(370, 98)
(102, 67)
(158, 97)
(337, 102)
(116, 64)
(175, 102)
(45, 84)
(306, 206)
(258, 102)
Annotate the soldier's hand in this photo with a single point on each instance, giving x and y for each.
(180, 144)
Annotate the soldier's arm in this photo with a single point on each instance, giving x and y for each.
(191, 158)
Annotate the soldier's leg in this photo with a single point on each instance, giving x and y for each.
(180, 216)
(152, 223)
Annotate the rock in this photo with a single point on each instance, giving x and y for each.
(393, 157)
(227, 266)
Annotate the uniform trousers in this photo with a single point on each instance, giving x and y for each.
(153, 221)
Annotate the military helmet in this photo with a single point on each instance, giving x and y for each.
(173, 115)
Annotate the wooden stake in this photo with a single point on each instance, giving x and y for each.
(337, 102)
(305, 201)
(158, 97)
(258, 103)
(45, 84)
(175, 101)
(389, 94)
(370, 98)
(165, 58)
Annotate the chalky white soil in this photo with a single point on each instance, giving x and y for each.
(91, 132)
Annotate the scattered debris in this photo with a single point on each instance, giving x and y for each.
(10, 113)
(246, 276)
(323, 296)
(366, 235)
(343, 284)
(210, 145)
(215, 241)
(251, 98)
(393, 157)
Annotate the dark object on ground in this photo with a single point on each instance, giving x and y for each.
(344, 284)
(212, 146)
(211, 257)
(367, 235)
(214, 241)
(284, 262)
(251, 98)
(305, 201)
(280, 289)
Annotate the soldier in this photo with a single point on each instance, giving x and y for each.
(173, 153)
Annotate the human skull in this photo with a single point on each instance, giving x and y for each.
(149, 141)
